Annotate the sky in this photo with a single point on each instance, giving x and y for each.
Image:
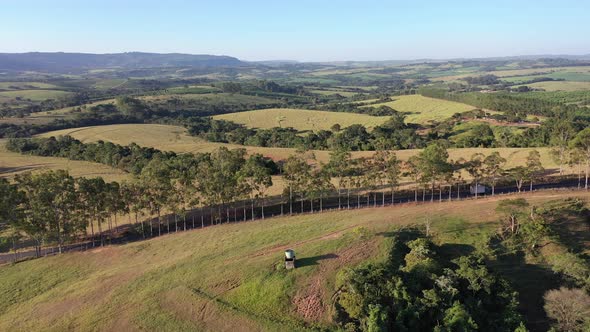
(299, 30)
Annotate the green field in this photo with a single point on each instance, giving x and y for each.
(228, 277)
(300, 119)
(422, 109)
(194, 89)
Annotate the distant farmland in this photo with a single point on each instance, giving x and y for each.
(300, 119)
(36, 95)
(422, 109)
(560, 86)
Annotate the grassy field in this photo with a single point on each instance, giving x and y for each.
(300, 119)
(561, 86)
(12, 163)
(422, 109)
(213, 98)
(25, 85)
(228, 277)
(48, 116)
(334, 92)
(34, 95)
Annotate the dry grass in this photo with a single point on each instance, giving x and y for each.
(300, 119)
(175, 138)
(560, 86)
(12, 163)
(422, 109)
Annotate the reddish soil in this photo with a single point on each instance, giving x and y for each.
(311, 302)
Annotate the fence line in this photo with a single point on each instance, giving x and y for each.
(403, 198)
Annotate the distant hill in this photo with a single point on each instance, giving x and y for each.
(68, 62)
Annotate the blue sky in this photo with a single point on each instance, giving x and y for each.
(300, 29)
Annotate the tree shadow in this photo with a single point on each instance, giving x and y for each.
(450, 251)
(531, 281)
(399, 247)
(6, 170)
(313, 260)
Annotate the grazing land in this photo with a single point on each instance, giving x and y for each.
(420, 109)
(300, 119)
(228, 277)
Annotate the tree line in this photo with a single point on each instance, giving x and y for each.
(221, 182)
(55, 207)
(393, 134)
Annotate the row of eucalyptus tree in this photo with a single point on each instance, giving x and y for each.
(189, 190)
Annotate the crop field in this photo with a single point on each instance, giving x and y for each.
(300, 119)
(228, 277)
(422, 109)
(12, 163)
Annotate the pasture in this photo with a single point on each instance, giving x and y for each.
(299, 119)
(422, 109)
(331, 92)
(12, 163)
(228, 277)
